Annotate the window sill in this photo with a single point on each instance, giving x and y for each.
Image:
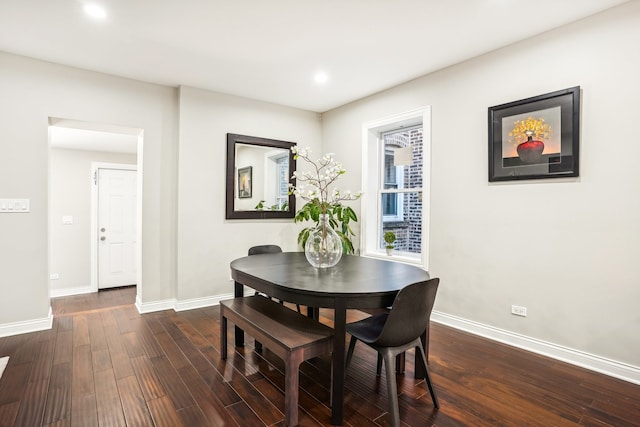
(396, 257)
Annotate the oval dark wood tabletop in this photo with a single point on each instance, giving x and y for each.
(353, 278)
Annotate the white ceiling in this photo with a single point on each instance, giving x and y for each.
(270, 50)
(78, 135)
(91, 140)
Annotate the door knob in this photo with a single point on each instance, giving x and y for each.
(103, 229)
(103, 238)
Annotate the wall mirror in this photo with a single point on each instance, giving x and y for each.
(259, 172)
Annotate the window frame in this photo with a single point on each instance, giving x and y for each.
(282, 197)
(272, 166)
(399, 184)
(371, 203)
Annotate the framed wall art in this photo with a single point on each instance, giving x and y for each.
(244, 182)
(535, 138)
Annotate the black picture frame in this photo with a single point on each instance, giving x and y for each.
(245, 183)
(517, 130)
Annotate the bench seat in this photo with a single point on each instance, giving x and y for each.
(291, 336)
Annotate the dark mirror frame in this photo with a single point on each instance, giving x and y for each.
(231, 213)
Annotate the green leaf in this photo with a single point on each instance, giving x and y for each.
(314, 211)
(352, 214)
(303, 236)
(340, 218)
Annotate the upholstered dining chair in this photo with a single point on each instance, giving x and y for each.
(268, 249)
(397, 331)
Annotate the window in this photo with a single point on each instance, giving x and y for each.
(392, 179)
(282, 180)
(276, 184)
(395, 152)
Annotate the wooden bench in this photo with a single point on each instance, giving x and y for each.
(291, 336)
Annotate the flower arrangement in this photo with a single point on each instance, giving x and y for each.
(322, 197)
(522, 129)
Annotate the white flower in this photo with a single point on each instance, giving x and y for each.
(314, 186)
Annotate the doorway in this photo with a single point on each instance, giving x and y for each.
(116, 224)
(75, 148)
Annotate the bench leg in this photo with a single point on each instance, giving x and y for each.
(238, 292)
(223, 336)
(291, 383)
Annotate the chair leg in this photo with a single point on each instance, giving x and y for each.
(392, 388)
(400, 362)
(352, 346)
(427, 377)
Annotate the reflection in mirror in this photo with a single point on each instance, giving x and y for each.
(262, 181)
(259, 171)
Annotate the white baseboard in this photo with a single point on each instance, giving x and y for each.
(150, 307)
(190, 304)
(182, 305)
(25, 327)
(65, 292)
(575, 357)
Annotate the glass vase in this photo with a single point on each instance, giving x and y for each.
(324, 246)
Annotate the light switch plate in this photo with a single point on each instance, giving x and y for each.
(14, 205)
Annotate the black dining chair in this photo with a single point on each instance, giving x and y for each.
(264, 249)
(397, 331)
(268, 249)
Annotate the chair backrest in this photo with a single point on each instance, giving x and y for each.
(409, 315)
(265, 249)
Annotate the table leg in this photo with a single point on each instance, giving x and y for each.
(400, 362)
(337, 380)
(238, 291)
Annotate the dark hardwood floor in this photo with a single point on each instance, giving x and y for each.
(103, 364)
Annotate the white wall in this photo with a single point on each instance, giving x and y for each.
(207, 242)
(567, 249)
(70, 194)
(32, 91)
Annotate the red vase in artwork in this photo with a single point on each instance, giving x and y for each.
(530, 151)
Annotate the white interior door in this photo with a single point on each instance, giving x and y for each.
(116, 227)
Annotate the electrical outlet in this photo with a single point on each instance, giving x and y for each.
(519, 311)
(54, 276)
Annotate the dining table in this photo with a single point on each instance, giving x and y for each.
(356, 282)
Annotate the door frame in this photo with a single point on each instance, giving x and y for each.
(95, 166)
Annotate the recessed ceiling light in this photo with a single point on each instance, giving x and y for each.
(321, 77)
(95, 11)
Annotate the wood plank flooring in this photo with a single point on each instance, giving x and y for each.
(103, 364)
